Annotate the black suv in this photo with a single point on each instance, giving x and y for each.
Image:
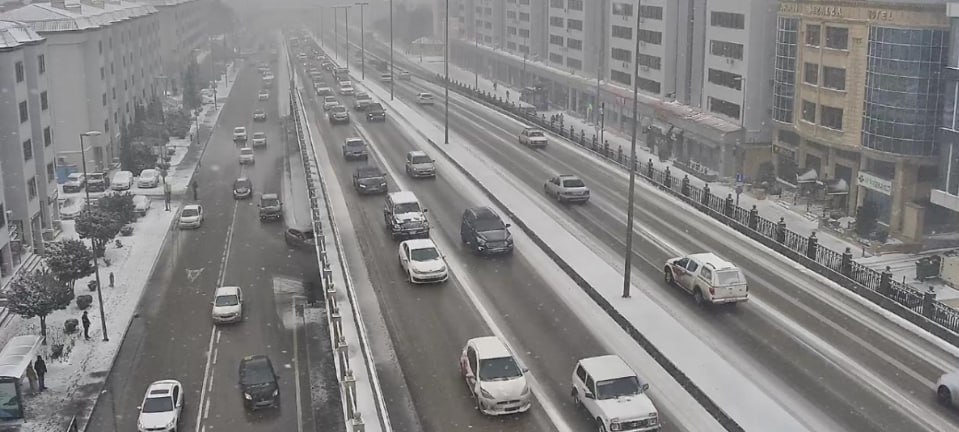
(484, 232)
(258, 382)
(375, 112)
(369, 179)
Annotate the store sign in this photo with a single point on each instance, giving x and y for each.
(878, 184)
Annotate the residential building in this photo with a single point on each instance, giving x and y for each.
(182, 30)
(857, 97)
(103, 59)
(28, 190)
(946, 193)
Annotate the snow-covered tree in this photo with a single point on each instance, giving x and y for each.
(120, 205)
(69, 260)
(38, 294)
(99, 225)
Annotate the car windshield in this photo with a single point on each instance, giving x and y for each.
(535, 133)
(355, 144)
(369, 173)
(227, 300)
(74, 177)
(270, 202)
(158, 404)
(729, 277)
(190, 212)
(339, 109)
(425, 254)
(420, 159)
(256, 374)
(614, 388)
(489, 225)
(242, 184)
(573, 183)
(501, 368)
(376, 107)
(426, 96)
(246, 151)
(330, 99)
(410, 207)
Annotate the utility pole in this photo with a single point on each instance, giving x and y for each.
(336, 36)
(392, 68)
(632, 162)
(347, 27)
(446, 65)
(362, 42)
(213, 71)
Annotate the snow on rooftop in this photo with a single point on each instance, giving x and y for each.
(44, 17)
(15, 34)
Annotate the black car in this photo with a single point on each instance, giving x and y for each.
(300, 238)
(484, 232)
(375, 112)
(258, 383)
(369, 179)
(242, 188)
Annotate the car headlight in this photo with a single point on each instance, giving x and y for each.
(525, 390)
(653, 420)
(362, 186)
(276, 392)
(615, 426)
(481, 240)
(247, 396)
(171, 424)
(486, 394)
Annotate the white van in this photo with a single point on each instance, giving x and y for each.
(122, 180)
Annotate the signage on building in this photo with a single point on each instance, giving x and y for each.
(878, 184)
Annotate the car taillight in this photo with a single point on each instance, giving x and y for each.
(712, 290)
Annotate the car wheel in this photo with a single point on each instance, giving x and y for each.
(668, 276)
(698, 296)
(944, 395)
(600, 426)
(576, 402)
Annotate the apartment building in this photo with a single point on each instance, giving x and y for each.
(857, 97)
(945, 195)
(182, 30)
(28, 189)
(103, 59)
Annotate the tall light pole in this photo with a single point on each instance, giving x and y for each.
(336, 36)
(346, 26)
(476, 58)
(96, 265)
(446, 65)
(213, 71)
(602, 50)
(632, 162)
(392, 68)
(362, 41)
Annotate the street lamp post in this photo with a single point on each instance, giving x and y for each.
(476, 59)
(632, 163)
(392, 68)
(362, 41)
(336, 36)
(446, 65)
(213, 71)
(346, 26)
(96, 265)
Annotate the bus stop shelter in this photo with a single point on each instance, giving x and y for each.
(15, 357)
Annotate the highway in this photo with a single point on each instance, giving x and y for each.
(173, 337)
(813, 348)
(429, 325)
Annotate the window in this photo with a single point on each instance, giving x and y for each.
(813, 34)
(622, 55)
(725, 108)
(574, 24)
(27, 150)
(556, 40)
(556, 3)
(51, 173)
(725, 79)
(834, 78)
(511, 46)
(511, 30)
(575, 5)
(811, 74)
(623, 9)
(556, 21)
(622, 32)
(18, 68)
(809, 111)
(648, 85)
(649, 36)
(574, 63)
(32, 187)
(24, 114)
(47, 137)
(620, 77)
(556, 58)
(726, 49)
(511, 14)
(727, 20)
(523, 33)
(104, 99)
(837, 38)
(652, 12)
(650, 61)
(44, 103)
(831, 117)
(575, 44)
(3, 217)
(523, 16)
(42, 63)
(103, 74)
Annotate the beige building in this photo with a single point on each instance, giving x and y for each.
(856, 102)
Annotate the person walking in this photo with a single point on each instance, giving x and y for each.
(86, 325)
(194, 184)
(40, 367)
(167, 193)
(32, 377)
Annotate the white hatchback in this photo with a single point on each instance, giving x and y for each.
(247, 156)
(422, 261)
(149, 178)
(161, 407)
(191, 216)
(227, 305)
(122, 180)
(494, 377)
(424, 98)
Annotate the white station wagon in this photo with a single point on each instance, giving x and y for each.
(709, 278)
(613, 395)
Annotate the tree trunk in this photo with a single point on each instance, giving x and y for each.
(43, 328)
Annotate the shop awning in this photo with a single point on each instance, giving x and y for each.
(810, 176)
(17, 355)
(837, 187)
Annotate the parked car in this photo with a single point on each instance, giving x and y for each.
(613, 395)
(533, 137)
(404, 217)
(567, 188)
(227, 305)
(422, 261)
(141, 205)
(149, 178)
(483, 231)
(375, 112)
(191, 216)
(242, 188)
(259, 139)
(947, 389)
(270, 208)
(96, 182)
(239, 134)
(247, 156)
(161, 407)
(122, 180)
(329, 102)
(362, 101)
(355, 148)
(369, 179)
(339, 114)
(258, 383)
(709, 278)
(420, 164)
(259, 115)
(494, 377)
(300, 238)
(71, 207)
(263, 95)
(424, 98)
(75, 183)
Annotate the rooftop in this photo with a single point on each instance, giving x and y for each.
(16, 34)
(75, 16)
(490, 347)
(606, 367)
(420, 244)
(403, 197)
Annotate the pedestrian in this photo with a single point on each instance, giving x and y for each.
(167, 192)
(86, 325)
(32, 377)
(111, 279)
(40, 367)
(507, 94)
(195, 186)
(494, 86)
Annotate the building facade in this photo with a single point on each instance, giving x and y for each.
(104, 59)
(28, 188)
(182, 31)
(857, 99)
(946, 194)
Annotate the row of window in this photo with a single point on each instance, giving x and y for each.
(836, 37)
(644, 84)
(832, 77)
(649, 61)
(830, 117)
(20, 72)
(513, 31)
(572, 24)
(571, 43)
(567, 4)
(645, 11)
(572, 63)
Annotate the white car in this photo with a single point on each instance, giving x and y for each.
(346, 89)
(533, 137)
(424, 98)
(161, 407)
(567, 188)
(75, 183)
(263, 95)
(947, 389)
(422, 261)
(247, 156)
(122, 180)
(149, 178)
(191, 216)
(71, 207)
(324, 91)
(227, 305)
(709, 278)
(259, 139)
(420, 164)
(494, 377)
(613, 395)
(386, 78)
(141, 205)
(239, 134)
(329, 102)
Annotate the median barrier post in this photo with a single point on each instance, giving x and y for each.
(845, 267)
(753, 218)
(811, 246)
(781, 230)
(928, 303)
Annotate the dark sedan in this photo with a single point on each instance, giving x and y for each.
(369, 179)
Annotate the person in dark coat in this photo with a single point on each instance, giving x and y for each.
(40, 367)
(85, 320)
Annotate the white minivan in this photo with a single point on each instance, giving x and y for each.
(122, 180)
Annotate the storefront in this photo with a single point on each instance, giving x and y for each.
(877, 192)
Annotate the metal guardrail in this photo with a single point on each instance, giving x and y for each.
(345, 369)
(74, 425)
(920, 308)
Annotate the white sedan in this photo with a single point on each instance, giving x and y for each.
(161, 407)
(947, 389)
(422, 261)
(149, 178)
(424, 98)
(191, 216)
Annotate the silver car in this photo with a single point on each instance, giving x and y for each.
(567, 188)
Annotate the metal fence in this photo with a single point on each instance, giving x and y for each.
(921, 308)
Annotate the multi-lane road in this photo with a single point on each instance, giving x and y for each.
(811, 347)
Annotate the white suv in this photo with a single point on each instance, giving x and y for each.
(227, 305)
(709, 278)
(494, 377)
(613, 395)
